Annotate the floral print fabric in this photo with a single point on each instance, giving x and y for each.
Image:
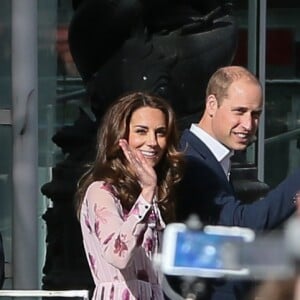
(120, 245)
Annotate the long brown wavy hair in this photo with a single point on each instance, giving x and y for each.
(111, 166)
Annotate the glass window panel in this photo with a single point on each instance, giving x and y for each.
(5, 131)
(282, 90)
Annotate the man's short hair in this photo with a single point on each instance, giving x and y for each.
(221, 80)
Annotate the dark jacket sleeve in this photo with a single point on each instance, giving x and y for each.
(1, 262)
(202, 193)
(205, 192)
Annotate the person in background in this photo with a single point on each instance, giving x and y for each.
(1, 262)
(127, 196)
(229, 123)
(287, 288)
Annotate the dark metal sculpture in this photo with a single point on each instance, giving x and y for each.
(167, 47)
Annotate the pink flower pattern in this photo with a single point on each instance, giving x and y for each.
(125, 295)
(87, 223)
(112, 292)
(105, 242)
(148, 245)
(120, 246)
(102, 227)
(92, 261)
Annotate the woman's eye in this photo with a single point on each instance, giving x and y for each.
(161, 133)
(141, 131)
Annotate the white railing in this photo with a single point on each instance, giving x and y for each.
(84, 294)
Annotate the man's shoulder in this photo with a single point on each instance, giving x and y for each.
(186, 135)
(192, 146)
(189, 140)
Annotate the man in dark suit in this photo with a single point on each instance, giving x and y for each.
(1, 262)
(230, 120)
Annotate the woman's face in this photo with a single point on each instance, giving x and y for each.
(148, 133)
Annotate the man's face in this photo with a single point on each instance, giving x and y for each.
(235, 121)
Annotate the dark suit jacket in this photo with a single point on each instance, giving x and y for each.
(205, 191)
(1, 262)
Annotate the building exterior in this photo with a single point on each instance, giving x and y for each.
(41, 91)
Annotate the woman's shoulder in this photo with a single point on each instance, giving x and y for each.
(101, 191)
(101, 185)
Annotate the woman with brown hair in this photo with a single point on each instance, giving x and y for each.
(127, 195)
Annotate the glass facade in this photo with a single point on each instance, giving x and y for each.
(6, 131)
(282, 91)
(60, 91)
(281, 63)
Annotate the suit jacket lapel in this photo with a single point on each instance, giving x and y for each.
(202, 150)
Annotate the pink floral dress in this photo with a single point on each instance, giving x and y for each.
(120, 246)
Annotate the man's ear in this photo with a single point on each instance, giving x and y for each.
(211, 105)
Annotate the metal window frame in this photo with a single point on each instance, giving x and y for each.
(5, 117)
(257, 16)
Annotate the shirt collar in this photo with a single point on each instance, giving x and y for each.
(219, 150)
(221, 153)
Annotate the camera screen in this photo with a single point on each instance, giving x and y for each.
(207, 251)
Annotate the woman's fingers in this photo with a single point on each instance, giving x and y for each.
(126, 150)
(145, 173)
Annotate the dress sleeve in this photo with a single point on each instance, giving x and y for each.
(116, 236)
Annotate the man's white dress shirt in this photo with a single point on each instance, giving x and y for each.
(221, 153)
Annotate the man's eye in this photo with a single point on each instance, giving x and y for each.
(238, 112)
(256, 115)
